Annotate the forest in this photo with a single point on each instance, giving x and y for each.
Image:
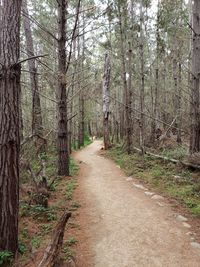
(86, 85)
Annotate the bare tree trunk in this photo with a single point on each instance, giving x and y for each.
(129, 103)
(179, 115)
(9, 124)
(63, 153)
(106, 101)
(37, 126)
(164, 94)
(195, 115)
(155, 99)
(142, 118)
(71, 128)
(127, 90)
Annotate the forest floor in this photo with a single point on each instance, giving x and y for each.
(123, 224)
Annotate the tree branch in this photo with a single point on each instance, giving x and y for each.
(73, 35)
(30, 58)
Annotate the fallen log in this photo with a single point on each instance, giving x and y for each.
(184, 163)
(53, 249)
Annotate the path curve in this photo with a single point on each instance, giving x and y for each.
(123, 226)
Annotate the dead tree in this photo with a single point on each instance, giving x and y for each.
(53, 249)
(106, 101)
(9, 123)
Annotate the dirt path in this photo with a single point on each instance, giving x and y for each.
(121, 226)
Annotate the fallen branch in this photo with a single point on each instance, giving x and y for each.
(185, 164)
(168, 129)
(53, 249)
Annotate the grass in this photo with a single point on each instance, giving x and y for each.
(163, 177)
(179, 153)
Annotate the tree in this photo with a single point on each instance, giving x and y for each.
(195, 115)
(9, 124)
(62, 138)
(37, 127)
(106, 101)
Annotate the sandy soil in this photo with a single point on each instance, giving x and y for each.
(120, 226)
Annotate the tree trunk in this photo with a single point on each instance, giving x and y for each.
(126, 91)
(9, 124)
(129, 102)
(71, 123)
(142, 118)
(37, 127)
(195, 116)
(156, 95)
(63, 154)
(106, 101)
(179, 115)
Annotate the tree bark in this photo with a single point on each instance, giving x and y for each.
(106, 101)
(62, 139)
(9, 124)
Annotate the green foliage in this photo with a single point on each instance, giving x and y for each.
(51, 216)
(68, 253)
(196, 210)
(25, 233)
(22, 248)
(179, 153)
(71, 241)
(75, 205)
(87, 141)
(6, 258)
(36, 241)
(38, 212)
(157, 171)
(46, 228)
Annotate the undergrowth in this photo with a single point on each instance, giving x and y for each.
(36, 221)
(165, 177)
(87, 141)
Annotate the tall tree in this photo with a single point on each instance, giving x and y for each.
(37, 127)
(62, 139)
(9, 124)
(142, 118)
(106, 101)
(195, 115)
